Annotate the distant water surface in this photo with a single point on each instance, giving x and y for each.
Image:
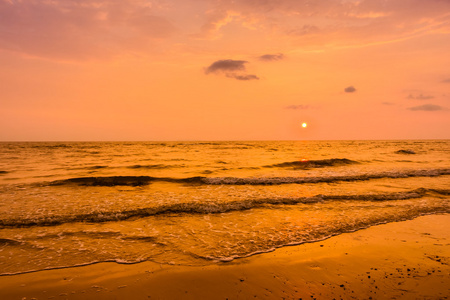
(197, 203)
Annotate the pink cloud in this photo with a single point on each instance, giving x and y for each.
(69, 29)
(322, 22)
(214, 21)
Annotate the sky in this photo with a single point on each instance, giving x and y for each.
(182, 70)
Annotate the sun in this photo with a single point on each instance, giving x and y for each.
(304, 125)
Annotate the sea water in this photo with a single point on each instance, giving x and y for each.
(197, 203)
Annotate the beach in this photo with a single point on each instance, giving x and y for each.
(401, 260)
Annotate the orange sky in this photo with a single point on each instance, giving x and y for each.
(224, 70)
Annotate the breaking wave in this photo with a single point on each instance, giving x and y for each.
(324, 179)
(145, 180)
(405, 151)
(306, 164)
(212, 207)
(155, 166)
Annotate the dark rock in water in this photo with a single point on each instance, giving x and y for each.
(408, 151)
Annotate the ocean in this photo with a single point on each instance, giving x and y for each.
(65, 204)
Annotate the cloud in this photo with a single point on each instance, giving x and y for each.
(302, 31)
(344, 23)
(78, 30)
(244, 77)
(420, 97)
(446, 80)
(298, 107)
(231, 68)
(72, 29)
(350, 89)
(226, 65)
(388, 103)
(271, 57)
(215, 21)
(427, 107)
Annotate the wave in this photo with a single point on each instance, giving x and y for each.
(156, 166)
(106, 181)
(306, 164)
(118, 261)
(45, 145)
(9, 242)
(146, 180)
(212, 207)
(325, 179)
(403, 151)
(97, 167)
(126, 180)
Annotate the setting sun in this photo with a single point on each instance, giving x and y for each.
(304, 125)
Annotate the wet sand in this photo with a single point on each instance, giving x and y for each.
(404, 260)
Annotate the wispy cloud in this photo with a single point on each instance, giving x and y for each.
(342, 23)
(298, 107)
(271, 57)
(103, 28)
(77, 30)
(215, 20)
(303, 30)
(231, 68)
(420, 97)
(243, 77)
(350, 89)
(427, 107)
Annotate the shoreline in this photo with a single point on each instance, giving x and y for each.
(408, 259)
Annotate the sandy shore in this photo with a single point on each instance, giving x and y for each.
(404, 260)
